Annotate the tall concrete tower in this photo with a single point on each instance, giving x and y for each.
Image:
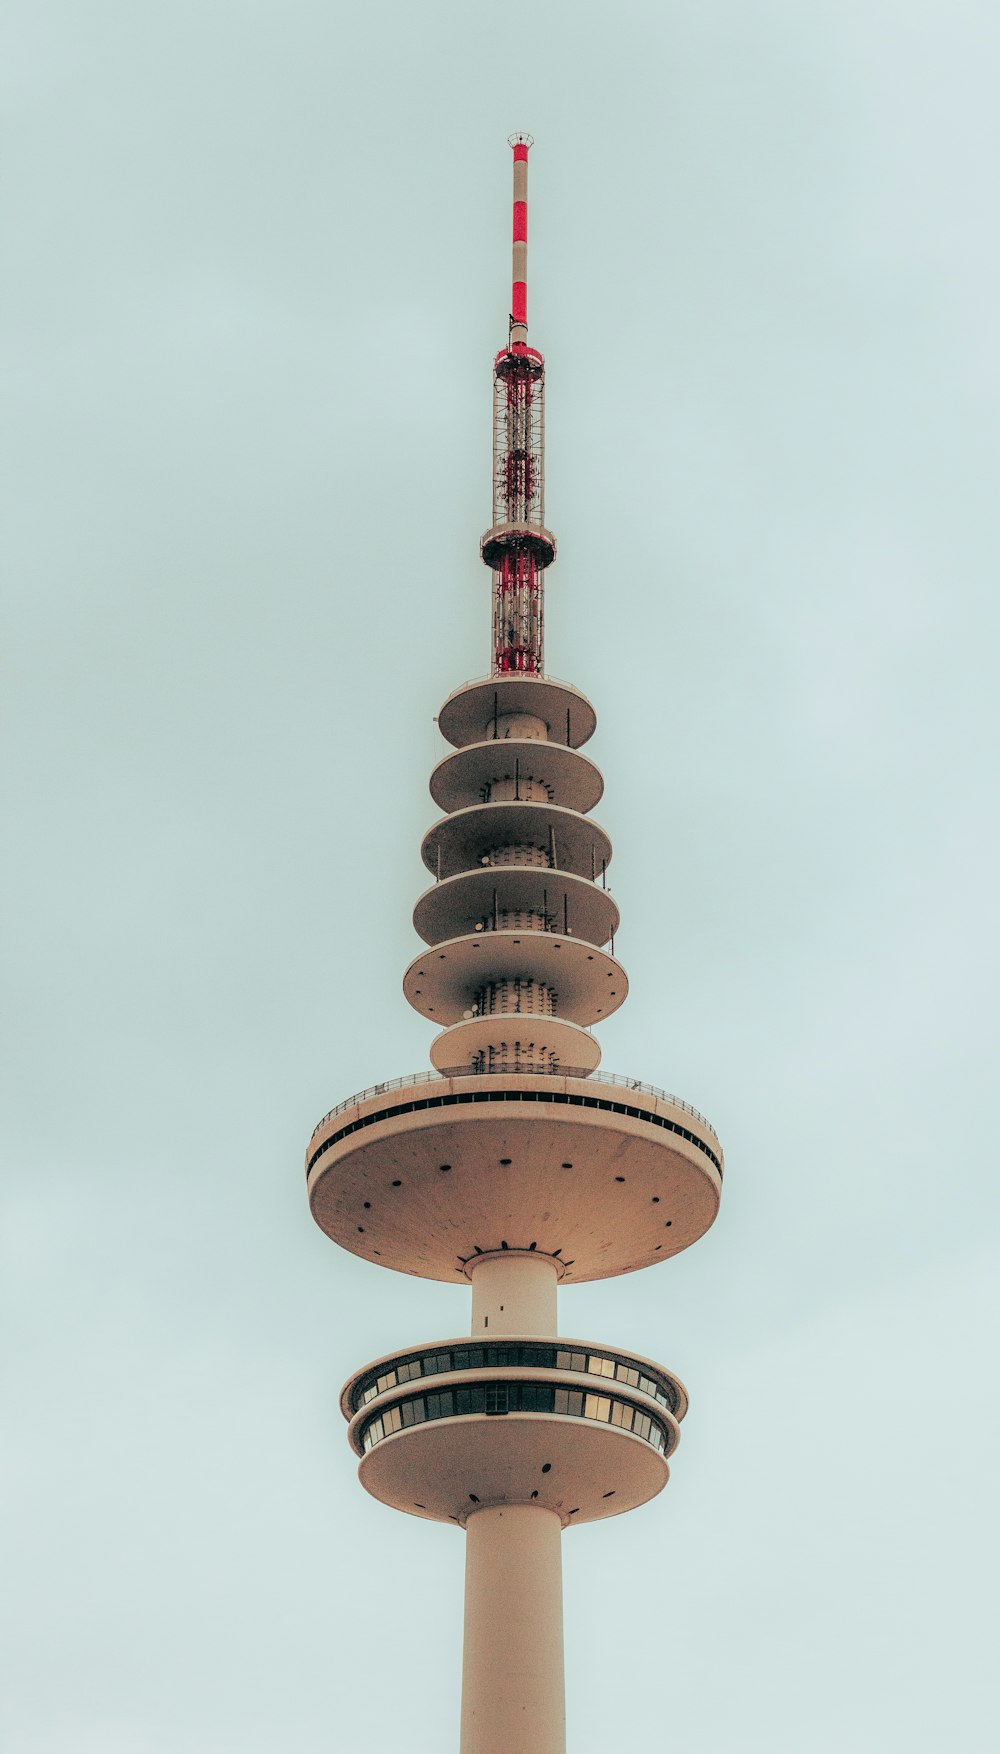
(516, 1166)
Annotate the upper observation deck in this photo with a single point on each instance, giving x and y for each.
(600, 1179)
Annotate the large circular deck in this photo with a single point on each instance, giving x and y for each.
(603, 1179)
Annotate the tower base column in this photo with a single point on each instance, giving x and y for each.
(513, 1688)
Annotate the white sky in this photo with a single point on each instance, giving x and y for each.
(256, 268)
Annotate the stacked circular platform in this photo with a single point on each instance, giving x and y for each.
(518, 920)
(518, 1165)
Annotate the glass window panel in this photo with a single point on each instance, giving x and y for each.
(496, 1397)
(561, 1401)
(474, 1358)
(642, 1424)
(419, 1411)
(628, 1373)
(447, 1403)
(407, 1412)
(576, 1402)
(620, 1414)
(463, 1400)
(564, 1360)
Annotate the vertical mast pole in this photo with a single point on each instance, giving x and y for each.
(518, 547)
(519, 267)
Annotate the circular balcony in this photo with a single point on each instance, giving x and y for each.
(602, 1364)
(462, 777)
(461, 841)
(441, 982)
(601, 1179)
(522, 535)
(509, 1435)
(472, 712)
(574, 906)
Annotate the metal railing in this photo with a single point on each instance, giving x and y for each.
(413, 1079)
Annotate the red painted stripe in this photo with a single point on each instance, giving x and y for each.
(519, 302)
(521, 152)
(520, 222)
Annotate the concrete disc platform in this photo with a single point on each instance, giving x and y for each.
(591, 985)
(460, 778)
(459, 841)
(458, 905)
(603, 1179)
(468, 713)
(583, 1470)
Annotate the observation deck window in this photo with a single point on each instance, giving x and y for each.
(517, 1397)
(532, 1355)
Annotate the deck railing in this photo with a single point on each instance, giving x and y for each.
(599, 1077)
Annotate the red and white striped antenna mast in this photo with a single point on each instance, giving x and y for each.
(520, 144)
(517, 547)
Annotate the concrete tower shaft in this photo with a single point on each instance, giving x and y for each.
(517, 1165)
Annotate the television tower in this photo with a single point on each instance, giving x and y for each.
(516, 1166)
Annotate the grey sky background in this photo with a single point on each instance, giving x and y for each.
(257, 265)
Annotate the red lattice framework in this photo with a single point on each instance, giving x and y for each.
(519, 509)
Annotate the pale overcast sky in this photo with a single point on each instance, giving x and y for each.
(256, 269)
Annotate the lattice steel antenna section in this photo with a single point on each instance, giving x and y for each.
(518, 547)
(517, 1165)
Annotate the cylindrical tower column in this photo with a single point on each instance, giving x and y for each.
(513, 1292)
(513, 1689)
